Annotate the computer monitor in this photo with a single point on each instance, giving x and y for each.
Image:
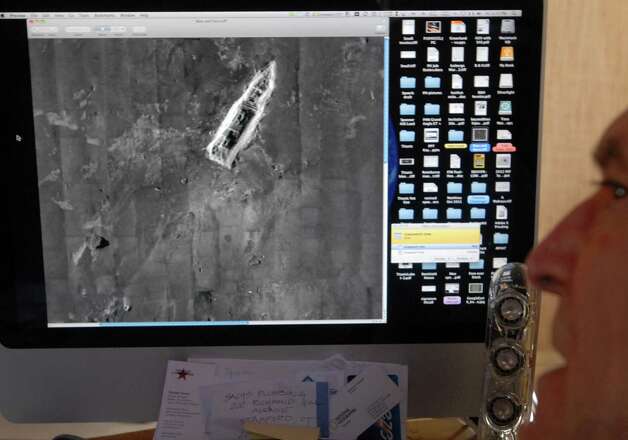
(260, 181)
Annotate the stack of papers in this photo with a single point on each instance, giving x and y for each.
(236, 399)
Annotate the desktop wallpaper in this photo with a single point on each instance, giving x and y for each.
(210, 179)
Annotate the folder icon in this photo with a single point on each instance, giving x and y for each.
(499, 238)
(478, 187)
(406, 214)
(431, 109)
(432, 82)
(406, 188)
(430, 214)
(406, 136)
(478, 213)
(477, 265)
(428, 266)
(454, 213)
(455, 135)
(454, 188)
(407, 82)
(407, 109)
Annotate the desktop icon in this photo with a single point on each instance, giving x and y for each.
(476, 265)
(454, 214)
(406, 188)
(481, 81)
(501, 186)
(406, 161)
(479, 161)
(406, 214)
(407, 109)
(478, 187)
(455, 146)
(455, 135)
(430, 214)
(406, 136)
(481, 54)
(407, 82)
(508, 26)
(455, 162)
(505, 108)
(504, 147)
(501, 212)
(428, 266)
(430, 135)
(483, 26)
(433, 55)
(457, 54)
(504, 135)
(507, 53)
(478, 213)
(500, 238)
(499, 262)
(478, 200)
(432, 82)
(430, 187)
(430, 161)
(481, 108)
(456, 108)
(480, 147)
(433, 27)
(430, 109)
(479, 134)
(407, 54)
(506, 81)
(454, 188)
(456, 81)
(502, 160)
(458, 27)
(407, 27)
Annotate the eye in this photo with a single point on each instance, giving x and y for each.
(619, 191)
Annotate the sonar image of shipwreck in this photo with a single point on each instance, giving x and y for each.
(238, 127)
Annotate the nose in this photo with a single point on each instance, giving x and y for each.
(552, 262)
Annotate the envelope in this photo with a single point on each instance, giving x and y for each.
(406, 214)
(432, 82)
(454, 188)
(431, 109)
(478, 200)
(430, 214)
(281, 432)
(499, 238)
(478, 187)
(478, 213)
(455, 135)
(454, 214)
(406, 188)
(408, 82)
(407, 109)
(477, 265)
(406, 136)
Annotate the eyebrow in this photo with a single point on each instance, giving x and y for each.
(609, 151)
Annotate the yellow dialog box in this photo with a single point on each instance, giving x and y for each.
(435, 242)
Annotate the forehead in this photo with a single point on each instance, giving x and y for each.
(612, 151)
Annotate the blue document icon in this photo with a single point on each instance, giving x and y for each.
(431, 109)
(479, 148)
(407, 82)
(478, 200)
(455, 135)
(478, 187)
(407, 110)
(406, 136)
(406, 188)
(454, 188)
(454, 214)
(478, 213)
(406, 214)
(499, 238)
(432, 82)
(477, 265)
(430, 214)
(428, 266)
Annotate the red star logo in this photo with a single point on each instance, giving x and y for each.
(183, 374)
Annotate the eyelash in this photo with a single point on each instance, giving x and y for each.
(619, 190)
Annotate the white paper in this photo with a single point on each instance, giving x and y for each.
(272, 402)
(180, 412)
(362, 402)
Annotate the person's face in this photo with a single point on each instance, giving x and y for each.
(585, 261)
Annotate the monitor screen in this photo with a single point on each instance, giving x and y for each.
(225, 177)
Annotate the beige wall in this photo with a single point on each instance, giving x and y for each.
(586, 86)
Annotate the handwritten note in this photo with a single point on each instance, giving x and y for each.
(228, 406)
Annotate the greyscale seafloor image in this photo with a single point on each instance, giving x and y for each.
(210, 179)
